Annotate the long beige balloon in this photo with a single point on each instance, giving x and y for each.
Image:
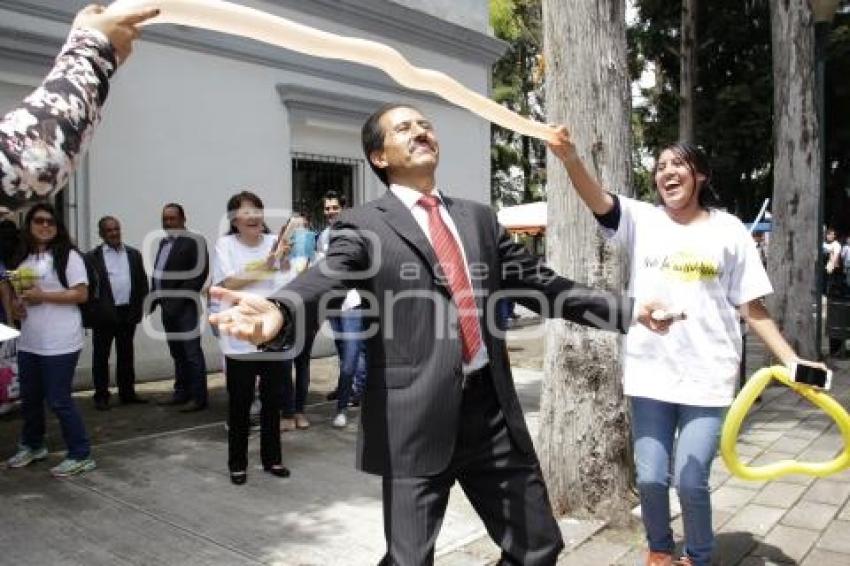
(225, 17)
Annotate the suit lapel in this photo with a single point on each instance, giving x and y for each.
(399, 218)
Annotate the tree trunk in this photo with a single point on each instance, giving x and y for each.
(688, 75)
(795, 239)
(584, 438)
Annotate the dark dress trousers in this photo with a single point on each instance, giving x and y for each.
(116, 323)
(424, 425)
(177, 293)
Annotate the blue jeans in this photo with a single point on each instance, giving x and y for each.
(655, 425)
(352, 355)
(293, 399)
(48, 378)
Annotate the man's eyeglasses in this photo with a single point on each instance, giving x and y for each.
(44, 221)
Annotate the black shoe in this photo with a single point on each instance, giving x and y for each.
(173, 401)
(134, 400)
(238, 478)
(278, 470)
(193, 407)
(354, 401)
(333, 395)
(101, 404)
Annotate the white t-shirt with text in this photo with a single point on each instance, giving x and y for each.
(233, 257)
(50, 329)
(705, 269)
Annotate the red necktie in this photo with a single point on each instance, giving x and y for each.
(451, 262)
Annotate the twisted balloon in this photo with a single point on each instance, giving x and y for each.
(225, 17)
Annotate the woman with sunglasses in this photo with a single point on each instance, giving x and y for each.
(51, 339)
(248, 258)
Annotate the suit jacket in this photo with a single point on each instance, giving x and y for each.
(411, 407)
(138, 284)
(188, 267)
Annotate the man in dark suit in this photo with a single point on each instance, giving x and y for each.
(180, 271)
(123, 288)
(440, 404)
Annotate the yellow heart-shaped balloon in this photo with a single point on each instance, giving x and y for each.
(739, 408)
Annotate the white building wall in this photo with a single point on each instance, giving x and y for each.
(194, 127)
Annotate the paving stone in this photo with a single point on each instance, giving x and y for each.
(460, 558)
(801, 479)
(760, 561)
(810, 515)
(786, 543)
(739, 483)
(836, 537)
(779, 494)
(841, 476)
(754, 519)
(819, 557)
(731, 547)
(729, 498)
(791, 444)
(845, 512)
(595, 551)
(828, 491)
(770, 457)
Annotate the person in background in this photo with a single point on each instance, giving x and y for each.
(123, 288)
(249, 258)
(300, 253)
(180, 271)
(704, 265)
(42, 140)
(9, 241)
(51, 340)
(347, 326)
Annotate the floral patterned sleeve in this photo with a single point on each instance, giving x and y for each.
(41, 140)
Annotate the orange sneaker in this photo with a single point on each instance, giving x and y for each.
(659, 559)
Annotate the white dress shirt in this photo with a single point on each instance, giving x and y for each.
(118, 269)
(410, 198)
(352, 298)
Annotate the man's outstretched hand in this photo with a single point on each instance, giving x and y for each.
(249, 317)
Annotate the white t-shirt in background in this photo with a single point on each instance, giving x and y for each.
(706, 269)
(233, 257)
(50, 329)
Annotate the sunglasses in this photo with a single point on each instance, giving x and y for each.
(44, 221)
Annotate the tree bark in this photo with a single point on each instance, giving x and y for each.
(688, 74)
(797, 162)
(584, 439)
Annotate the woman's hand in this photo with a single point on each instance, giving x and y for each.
(121, 28)
(657, 317)
(562, 145)
(33, 296)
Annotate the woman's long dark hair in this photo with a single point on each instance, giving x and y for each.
(59, 247)
(697, 162)
(235, 202)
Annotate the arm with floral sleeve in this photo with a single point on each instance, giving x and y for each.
(41, 140)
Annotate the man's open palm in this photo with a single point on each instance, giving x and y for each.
(250, 317)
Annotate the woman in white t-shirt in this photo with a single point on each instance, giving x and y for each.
(51, 339)
(700, 262)
(248, 258)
